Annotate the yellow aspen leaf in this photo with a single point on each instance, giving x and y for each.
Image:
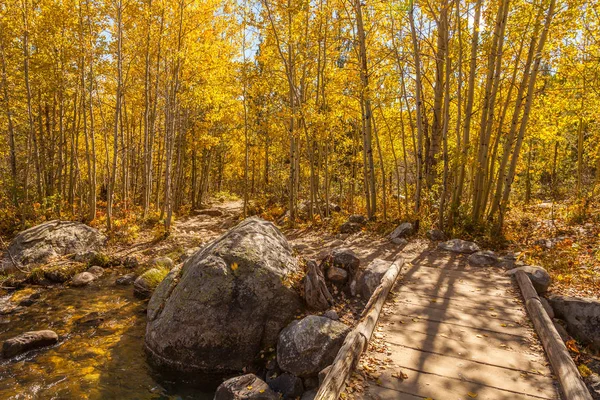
(584, 371)
(234, 266)
(472, 395)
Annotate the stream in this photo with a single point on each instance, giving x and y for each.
(100, 354)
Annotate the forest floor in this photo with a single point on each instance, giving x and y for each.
(563, 240)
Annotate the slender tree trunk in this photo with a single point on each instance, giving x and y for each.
(11, 129)
(468, 109)
(117, 119)
(419, 116)
(438, 122)
(370, 188)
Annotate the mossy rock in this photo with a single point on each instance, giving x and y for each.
(144, 285)
(100, 260)
(64, 272)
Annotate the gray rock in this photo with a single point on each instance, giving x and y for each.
(28, 341)
(226, 303)
(126, 279)
(436, 235)
(540, 279)
(399, 241)
(309, 395)
(161, 262)
(290, 386)
(350, 227)
(145, 284)
(83, 278)
(368, 280)
(307, 346)
(403, 230)
(357, 219)
(459, 246)
(331, 314)
(337, 275)
(582, 316)
(51, 239)
(245, 387)
(345, 259)
(96, 271)
(312, 382)
(316, 294)
(485, 258)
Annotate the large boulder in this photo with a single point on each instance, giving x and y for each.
(28, 341)
(51, 239)
(540, 279)
(307, 346)
(229, 301)
(459, 246)
(582, 316)
(402, 230)
(368, 280)
(245, 387)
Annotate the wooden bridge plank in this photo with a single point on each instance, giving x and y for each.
(471, 350)
(471, 371)
(439, 388)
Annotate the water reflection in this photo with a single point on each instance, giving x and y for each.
(100, 354)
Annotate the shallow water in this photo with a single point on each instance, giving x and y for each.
(100, 353)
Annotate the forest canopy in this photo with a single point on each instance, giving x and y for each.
(444, 113)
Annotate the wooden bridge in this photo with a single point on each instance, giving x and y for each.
(451, 331)
(457, 332)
